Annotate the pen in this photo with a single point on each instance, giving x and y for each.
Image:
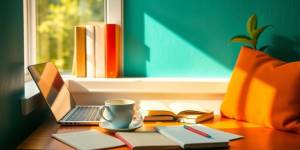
(197, 131)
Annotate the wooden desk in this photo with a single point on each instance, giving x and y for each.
(256, 137)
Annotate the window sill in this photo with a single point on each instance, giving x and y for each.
(138, 85)
(147, 85)
(209, 91)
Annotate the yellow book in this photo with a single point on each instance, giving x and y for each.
(118, 47)
(79, 59)
(178, 110)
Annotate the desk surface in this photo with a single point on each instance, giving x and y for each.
(256, 137)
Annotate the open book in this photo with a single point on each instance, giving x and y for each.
(184, 112)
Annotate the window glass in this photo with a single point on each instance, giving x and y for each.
(55, 20)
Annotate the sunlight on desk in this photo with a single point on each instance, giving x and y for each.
(255, 137)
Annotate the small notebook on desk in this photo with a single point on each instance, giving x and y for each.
(216, 134)
(90, 139)
(183, 112)
(147, 140)
(191, 140)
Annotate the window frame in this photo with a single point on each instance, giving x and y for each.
(113, 13)
(29, 19)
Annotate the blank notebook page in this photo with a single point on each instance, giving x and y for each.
(187, 138)
(90, 139)
(146, 140)
(217, 134)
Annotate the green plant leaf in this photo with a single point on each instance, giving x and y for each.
(252, 25)
(243, 39)
(258, 32)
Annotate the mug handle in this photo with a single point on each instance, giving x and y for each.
(101, 113)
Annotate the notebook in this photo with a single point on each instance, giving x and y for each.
(187, 139)
(216, 134)
(90, 139)
(147, 140)
(184, 112)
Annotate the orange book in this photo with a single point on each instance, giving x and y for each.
(79, 59)
(112, 50)
(118, 47)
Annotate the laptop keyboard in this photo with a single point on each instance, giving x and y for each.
(85, 113)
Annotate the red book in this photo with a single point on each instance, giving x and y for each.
(112, 50)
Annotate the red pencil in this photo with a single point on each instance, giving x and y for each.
(196, 131)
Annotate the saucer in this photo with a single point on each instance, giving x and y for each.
(133, 126)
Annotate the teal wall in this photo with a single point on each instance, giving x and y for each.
(190, 38)
(13, 126)
(163, 38)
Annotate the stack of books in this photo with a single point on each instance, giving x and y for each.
(177, 111)
(97, 50)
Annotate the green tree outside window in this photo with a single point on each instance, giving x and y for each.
(55, 32)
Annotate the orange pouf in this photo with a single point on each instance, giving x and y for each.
(264, 90)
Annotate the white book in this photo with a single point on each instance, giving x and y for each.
(100, 50)
(90, 139)
(90, 51)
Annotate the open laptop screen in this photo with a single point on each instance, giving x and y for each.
(53, 88)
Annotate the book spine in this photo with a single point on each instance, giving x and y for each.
(90, 50)
(118, 48)
(124, 141)
(112, 50)
(158, 118)
(79, 59)
(100, 51)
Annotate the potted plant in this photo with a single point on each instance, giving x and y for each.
(254, 33)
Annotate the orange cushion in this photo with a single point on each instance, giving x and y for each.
(264, 90)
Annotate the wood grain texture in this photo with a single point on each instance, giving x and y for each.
(255, 136)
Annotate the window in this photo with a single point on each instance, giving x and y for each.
(48, 27)
(55, 20)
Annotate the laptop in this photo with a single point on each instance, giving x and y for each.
(59, 98)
